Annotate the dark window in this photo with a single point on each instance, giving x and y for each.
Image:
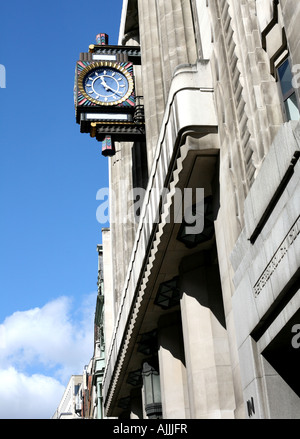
(289, 97)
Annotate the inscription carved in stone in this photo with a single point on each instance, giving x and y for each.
(278, 256)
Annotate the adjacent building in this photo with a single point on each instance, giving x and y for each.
(205, 323)
(70, 405)
(83, 395)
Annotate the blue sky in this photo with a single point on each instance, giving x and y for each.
(49, 177)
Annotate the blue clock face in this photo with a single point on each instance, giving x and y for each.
(106, 86)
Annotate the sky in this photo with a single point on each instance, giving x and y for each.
(50, 174)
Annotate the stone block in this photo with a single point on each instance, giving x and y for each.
(244, 309)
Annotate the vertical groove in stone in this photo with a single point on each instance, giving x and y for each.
(259, 86)
(151, 73)
(163, 42)
(189, 31)
(256, 102)
(237, 94)
(229, 96)
(176, 37)
(167, 40)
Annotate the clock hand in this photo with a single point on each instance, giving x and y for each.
(107, 87)
(104, 83)
(114, 91)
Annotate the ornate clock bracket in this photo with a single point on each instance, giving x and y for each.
(106, 105)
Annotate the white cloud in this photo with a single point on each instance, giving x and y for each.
(39, 350)
(28, 397)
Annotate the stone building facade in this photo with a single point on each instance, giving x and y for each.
(209, 319)
(70, 405)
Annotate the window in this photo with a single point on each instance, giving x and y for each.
(289, 97)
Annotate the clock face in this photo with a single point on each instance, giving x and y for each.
(106, 84)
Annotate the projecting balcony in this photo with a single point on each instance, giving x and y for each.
(99, 365)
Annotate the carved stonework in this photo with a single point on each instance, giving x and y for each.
(278, 256)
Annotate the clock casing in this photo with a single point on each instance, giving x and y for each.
(106, 84)
(106, 105)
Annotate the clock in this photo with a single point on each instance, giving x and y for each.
(106, 83)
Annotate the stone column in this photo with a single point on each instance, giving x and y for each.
(172, 368)
(209, 375)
